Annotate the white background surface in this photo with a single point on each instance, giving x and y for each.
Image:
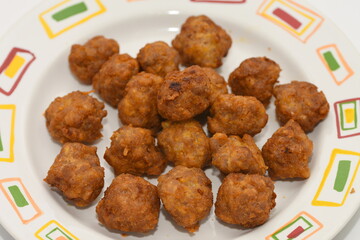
(345, 14)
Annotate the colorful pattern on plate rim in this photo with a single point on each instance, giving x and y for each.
(20, 199)
(7, 132)
(335, 63)
(302, 226)
(337, 179)
(69, 14)
(296, 19)
(53, 230)
(13, 69)
(347, 113)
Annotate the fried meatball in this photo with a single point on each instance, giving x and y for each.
(184, 94)
(233, 154)
(245, 200)
(185, 143)
(76, 117)
(133, 151)
(237, 115)
(255, 77)
(217, 83)
(111, 80)
(130, 204)
(202, 42)
(139, 105)
(186, 195)
(287, 152)
(86, 60)
(302, 102)
(77, 174)
(158, 58)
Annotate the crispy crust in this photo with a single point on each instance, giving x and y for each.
(111, 80)
(287, 152)
(184, 94)
(77, 174)
(255, 77)
(185, 143)
(130, 204)
(133, 151)
(302, 102)
(218, 84)
(235, 154)
(76, 117)
(158, 58)
(86, 60)
(138, 107)
(202, 42)
(186, 195)
(237, 115)
(245, 200)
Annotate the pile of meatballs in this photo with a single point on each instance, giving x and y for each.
(160, 107)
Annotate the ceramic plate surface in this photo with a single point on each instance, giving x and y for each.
(308, 47)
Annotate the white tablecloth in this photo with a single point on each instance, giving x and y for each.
(345, 14)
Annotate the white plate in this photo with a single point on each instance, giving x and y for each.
(34, 70)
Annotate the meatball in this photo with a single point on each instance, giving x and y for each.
(85, 61)
(218, 84)
(133, 151)
(111, 80)
(255, 77)
(158, 58)
(237, 115)
(233, 154)
(186, 195)
(202, 42)
(77, 174)
(138, 107)
(184, 94)
(287, 152)
(130, 204)
(185, 143)
(76, 117)
(245, 200)
(302, 102)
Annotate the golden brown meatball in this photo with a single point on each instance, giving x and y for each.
(237, 115)
(77, 174)
(233, 154)
(202, 42)
(138, 107)
(255, 77)
(111, 80)
(158, 58)
(217, 83)
(185, 143)
(133, 151)
(76, 117)
(130, 204)
(186, 195)
(86, 60)
(302, 102)
(287, 152)
(245, 200)
(184, 94)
